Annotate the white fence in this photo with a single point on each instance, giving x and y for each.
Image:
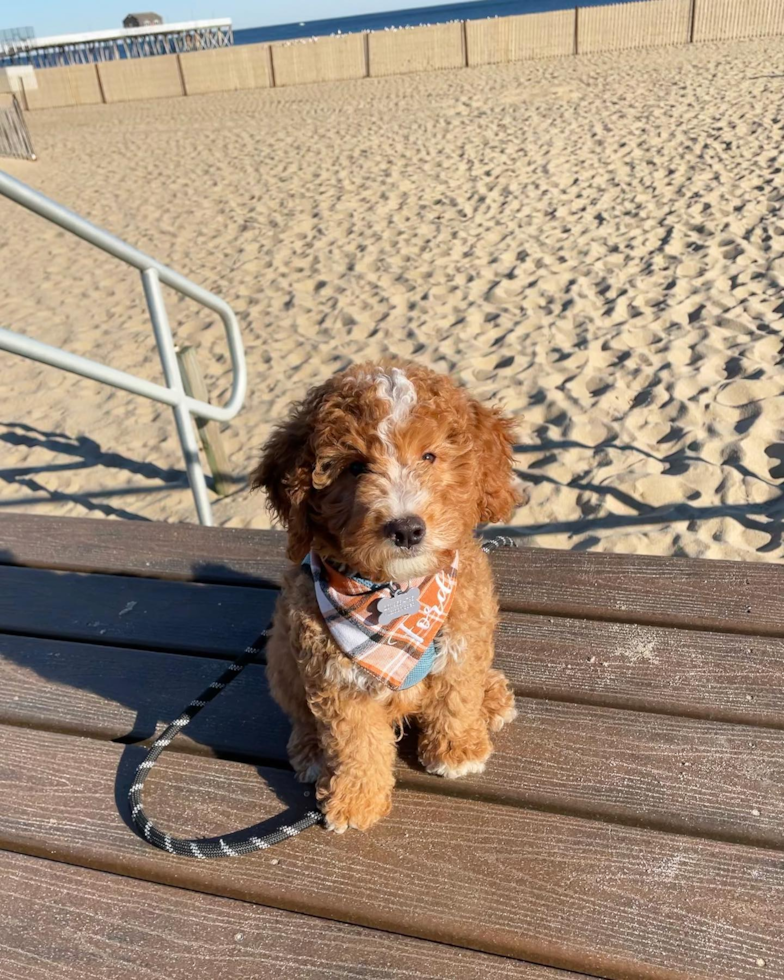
(461, 44)
(14, 138)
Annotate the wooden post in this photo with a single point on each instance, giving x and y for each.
(692, 19)
(465, 44)
(100, 82)
(209, 431)
(182, 74)
(576, 30)
(271, 66)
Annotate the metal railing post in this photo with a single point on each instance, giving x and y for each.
(40, 204)
(171, 372)
(153, 274)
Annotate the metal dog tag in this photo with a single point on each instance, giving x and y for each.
(401, 604)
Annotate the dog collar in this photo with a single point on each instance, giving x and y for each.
(387, 630)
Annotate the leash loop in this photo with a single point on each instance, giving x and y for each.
(231, 845)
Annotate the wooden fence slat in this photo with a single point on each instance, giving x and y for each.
(14, 136)
(55, 914)
(743, 597)
(620, 902)
(693, 777)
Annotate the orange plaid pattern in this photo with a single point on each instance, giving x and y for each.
(391, 652)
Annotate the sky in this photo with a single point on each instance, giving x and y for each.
(49, 17)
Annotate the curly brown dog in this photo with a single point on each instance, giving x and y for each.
(381, 476)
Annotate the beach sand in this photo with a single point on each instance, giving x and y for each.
(595, 243)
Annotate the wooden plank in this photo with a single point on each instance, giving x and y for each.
(745, 597)
(128, 695)
(186, 552)
(57, 920)
(181, 616)
(700, 778)
(742, 597)
(576, 894)
(727, 677)
(694, 777)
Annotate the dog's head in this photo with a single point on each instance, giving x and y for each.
(387, 468)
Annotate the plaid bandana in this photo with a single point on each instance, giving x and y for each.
(400, 653)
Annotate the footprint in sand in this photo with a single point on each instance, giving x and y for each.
(776, 455)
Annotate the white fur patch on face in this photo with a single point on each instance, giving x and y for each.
(405, 495)
(396, 389)
(402, 569)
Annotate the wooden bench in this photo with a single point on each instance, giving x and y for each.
(629, 825)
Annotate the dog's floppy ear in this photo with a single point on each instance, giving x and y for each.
(498, 488)
(285, 474)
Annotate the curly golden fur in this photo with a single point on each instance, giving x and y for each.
(378, 443)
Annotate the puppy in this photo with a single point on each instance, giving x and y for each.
(380, 476)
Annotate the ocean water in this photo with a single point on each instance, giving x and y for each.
(408, 18)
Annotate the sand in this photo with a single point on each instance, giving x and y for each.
(595, 243)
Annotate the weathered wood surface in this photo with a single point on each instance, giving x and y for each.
(575, 894)
(723, 676)
(59, 921)
(209, 430)
(729, 677)
(630, 824)
(119, 609)
(186, 552)
(699, 778)
(744, 597)
(127, 695)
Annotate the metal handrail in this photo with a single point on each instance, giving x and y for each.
(153, 274)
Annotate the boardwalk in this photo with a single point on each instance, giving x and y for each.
(630, 824)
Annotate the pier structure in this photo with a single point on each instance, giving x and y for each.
(133, 42)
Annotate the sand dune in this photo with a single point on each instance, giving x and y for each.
(596, 243)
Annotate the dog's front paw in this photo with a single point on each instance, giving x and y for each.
(467, 768)
(343, 809)
(453, 758)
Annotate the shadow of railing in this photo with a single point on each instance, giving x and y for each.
(85, 454)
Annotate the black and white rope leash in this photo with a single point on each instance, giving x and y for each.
(232, 845)
(240, 842)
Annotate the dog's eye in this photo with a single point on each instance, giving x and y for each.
(429, 457)
(358, 467)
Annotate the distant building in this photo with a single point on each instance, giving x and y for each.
(12, 34)
(142, 20)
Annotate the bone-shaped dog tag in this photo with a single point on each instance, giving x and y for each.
(401, 604)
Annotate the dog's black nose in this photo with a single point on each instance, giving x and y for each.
(405, 532)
